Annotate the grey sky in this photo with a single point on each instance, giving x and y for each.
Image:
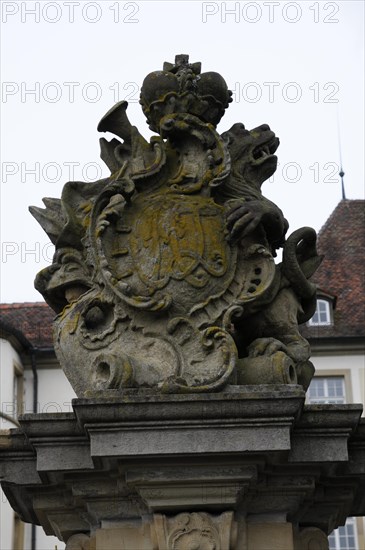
(297, 66)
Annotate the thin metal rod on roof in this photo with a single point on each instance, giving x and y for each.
(341, 172)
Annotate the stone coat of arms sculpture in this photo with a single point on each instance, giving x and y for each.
(164, 274)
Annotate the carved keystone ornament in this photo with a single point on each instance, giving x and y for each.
(164, 274)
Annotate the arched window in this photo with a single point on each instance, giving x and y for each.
(322, 315)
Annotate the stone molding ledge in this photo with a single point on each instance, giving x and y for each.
(222, 464)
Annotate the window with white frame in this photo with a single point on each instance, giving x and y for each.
(322, 316)
(327, 389)
(345, 537)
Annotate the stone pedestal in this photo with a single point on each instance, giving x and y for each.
(250, 468)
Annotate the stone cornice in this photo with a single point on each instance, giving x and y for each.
(134, 455)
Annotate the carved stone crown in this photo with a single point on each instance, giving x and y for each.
(180, 88)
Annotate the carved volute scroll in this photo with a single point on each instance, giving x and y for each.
(164, 274)
(312, 538)
(196, 530)
(79, 541)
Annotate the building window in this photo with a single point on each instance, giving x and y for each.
(327, 389)
(322, 315)
(344, 538)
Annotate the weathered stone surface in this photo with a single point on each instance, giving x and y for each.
(80, 542)
(233, 422)
(311, 439)
(164, 273)
(198, 529)
(273, 535)
(132, 483)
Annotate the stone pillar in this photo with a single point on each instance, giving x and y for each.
(245, 469)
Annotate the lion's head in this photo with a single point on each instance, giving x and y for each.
(252, 154)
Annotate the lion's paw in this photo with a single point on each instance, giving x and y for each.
(265, 346)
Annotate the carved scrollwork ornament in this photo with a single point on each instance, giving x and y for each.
(194, 531)
(312, 538)
(79, 541)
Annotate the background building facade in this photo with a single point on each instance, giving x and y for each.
(336, 332)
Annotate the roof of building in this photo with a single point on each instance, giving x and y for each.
(31, 319)
(341, 274)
